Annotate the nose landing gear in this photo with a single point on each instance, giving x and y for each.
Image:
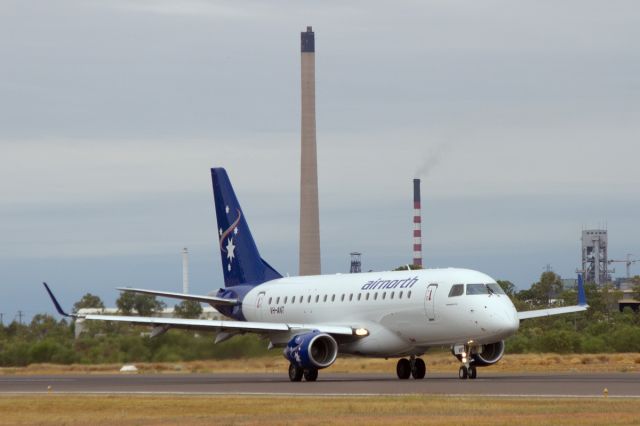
(467, 370)
(411, 367)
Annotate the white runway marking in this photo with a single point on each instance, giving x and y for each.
(325, 395)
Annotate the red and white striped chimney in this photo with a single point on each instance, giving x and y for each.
(417, 224)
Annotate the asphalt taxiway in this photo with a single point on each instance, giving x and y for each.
(534, 385)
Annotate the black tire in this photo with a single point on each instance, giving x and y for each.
(403, 369)
(419, 369)
(463, 373)
(473, 373)
(295, 373)
(311, 375)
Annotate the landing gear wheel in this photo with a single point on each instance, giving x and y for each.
(472, 372)
(403, 369)
(295, 373)
(463, 373)
(311, 375)
(419, 369)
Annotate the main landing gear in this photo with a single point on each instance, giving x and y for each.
(296, 373)
(411, 367)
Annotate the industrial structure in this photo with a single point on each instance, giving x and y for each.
(309, 215)
(417, 225)
(356, 264)
(595, 256)
(628, 262)
(185, 271)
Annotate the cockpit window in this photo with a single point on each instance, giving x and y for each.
(473, 289)
(495, 288)
(491, 288)
(456, 290)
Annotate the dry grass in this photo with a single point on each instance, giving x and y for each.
(164, 410)
(436, 362)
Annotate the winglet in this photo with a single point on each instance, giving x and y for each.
(55, 302)
(582, 298)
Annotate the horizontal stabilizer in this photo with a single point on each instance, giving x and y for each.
(196, 298)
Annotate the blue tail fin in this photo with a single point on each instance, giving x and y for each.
(241, 261)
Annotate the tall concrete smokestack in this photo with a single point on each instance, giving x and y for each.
(185, 271)
(417, 224)
(309, 216)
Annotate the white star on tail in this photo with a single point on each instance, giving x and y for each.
(230, 252)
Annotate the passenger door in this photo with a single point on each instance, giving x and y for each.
(430, 302)
(260, 309)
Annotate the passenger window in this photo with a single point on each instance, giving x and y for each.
(392, 294)
(400, 295)
(333, 297)
(317, 298)
(293, 300)
(278, 300)
(350, 297)
(309, 299)
(367, 296)
(409, 295)
(324, 299)
(270, 299)
(456, 290)
(342, 298)
(285, 300)
(384, 295)
(375, 296)
(359, 296)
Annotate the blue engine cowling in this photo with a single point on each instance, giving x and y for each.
(312, 350)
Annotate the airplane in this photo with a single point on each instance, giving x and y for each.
(395, 314)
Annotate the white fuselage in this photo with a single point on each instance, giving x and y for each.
(405, 312)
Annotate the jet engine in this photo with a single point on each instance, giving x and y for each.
(314, 350)
(487, 354)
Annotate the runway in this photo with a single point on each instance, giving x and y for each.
(532, 385)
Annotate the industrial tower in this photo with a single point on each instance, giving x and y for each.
(309, 216)
(417, 225)
(185, 271)
(356, 263)
(594, 256)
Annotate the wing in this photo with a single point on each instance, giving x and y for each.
(581, 306)
(163, 324)
(222, 325)
(212, 300)
(551, 311)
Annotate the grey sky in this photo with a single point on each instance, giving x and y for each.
(112, 112)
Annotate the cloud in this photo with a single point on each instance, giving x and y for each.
(524, 117)
(193, 8)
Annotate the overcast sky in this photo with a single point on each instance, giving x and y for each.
(523, 119)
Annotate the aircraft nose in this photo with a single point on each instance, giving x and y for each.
(504, 319)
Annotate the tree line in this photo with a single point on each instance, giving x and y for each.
(45, 339)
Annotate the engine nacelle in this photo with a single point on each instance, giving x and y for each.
(487, 354)
(312, 350)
